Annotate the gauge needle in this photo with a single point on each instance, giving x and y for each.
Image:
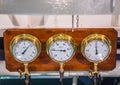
(25, 50)
(96, 51)
(59, 50)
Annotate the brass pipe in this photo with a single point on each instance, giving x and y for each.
(61, 67)
(61, 71)
(95, 71)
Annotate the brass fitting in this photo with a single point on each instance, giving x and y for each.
(94, 71)
(25, 72)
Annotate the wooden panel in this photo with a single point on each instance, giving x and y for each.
(44, 63)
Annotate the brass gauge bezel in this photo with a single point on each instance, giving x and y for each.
(27, 37)
(92, 37)
(63, 37)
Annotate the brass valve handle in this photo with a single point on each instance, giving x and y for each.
(95, 76)
(25, 72)
(94, 71)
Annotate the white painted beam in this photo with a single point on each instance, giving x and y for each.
(5, 21)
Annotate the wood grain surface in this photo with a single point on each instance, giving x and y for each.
(44, 63)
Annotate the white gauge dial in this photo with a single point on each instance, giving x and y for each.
(96, 50)
(61, 51)
(24, 51)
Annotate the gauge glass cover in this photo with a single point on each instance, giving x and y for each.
(61, 51)
(96, 50)
(24, 51)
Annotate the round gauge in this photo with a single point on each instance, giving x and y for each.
(25, 48)
(96, 47)
(61, 47)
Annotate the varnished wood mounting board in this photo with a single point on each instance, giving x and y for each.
(44, 63)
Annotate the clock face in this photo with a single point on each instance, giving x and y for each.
(24, 51)
(61, 51)
(96, 50)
